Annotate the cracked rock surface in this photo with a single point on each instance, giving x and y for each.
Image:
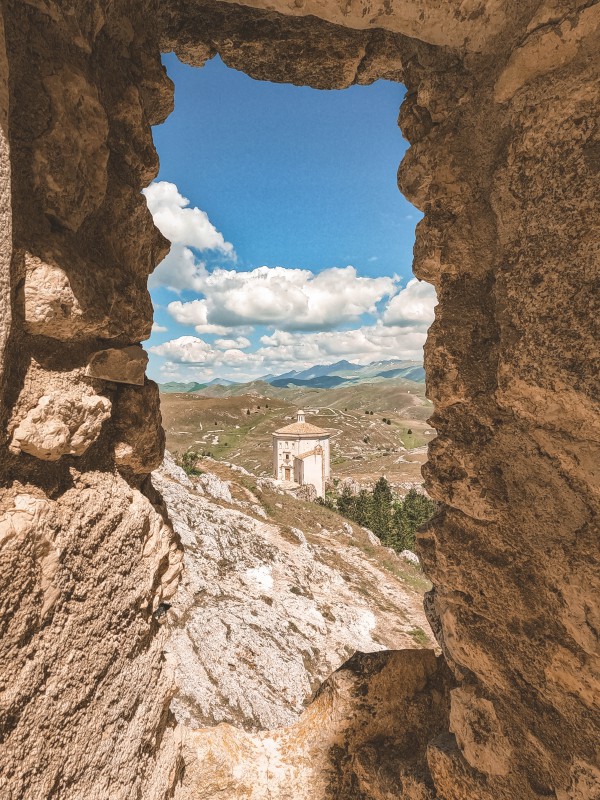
(264, 612)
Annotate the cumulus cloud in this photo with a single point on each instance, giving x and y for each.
(188, 352)
(413, 305)
(179, 270)
(194, 313)
(180, 224)
(185, 228)
(290, 299)
(156, 328)
(239, 343)
(185, 350)
(314, 317)
(285, 350)
(365, 344)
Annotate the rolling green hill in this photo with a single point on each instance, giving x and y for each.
(235, 424)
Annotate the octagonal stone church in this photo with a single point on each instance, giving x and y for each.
(301, 454)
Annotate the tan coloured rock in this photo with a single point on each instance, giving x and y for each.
(61, 425)
(138, 435)
(5, 210)
(474, 722)
(364, 735)
(120, 365)
(500, 109)
(87, 571)
(452, 23)
(51, 308)
(70, 169)
(34, 518)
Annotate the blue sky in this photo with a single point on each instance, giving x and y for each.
(291, 241)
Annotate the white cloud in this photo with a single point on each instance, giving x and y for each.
(192, 313)
(180, 224)
(179, 270)
(195, 313)
(185, 350)
(285, 350)
(240, 343)
(290, 299)
(365, 344)
(305, 310)
(413, 305)
(185, 228)
(156, 328)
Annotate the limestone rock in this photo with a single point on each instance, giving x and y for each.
(121, 365)
(306, 492)
(139, 437)
(215, 487)
(408, 555)
(70, 305)
(474, 722)
(501, 111)
(61, 425)
(51, 308)
(6, 236)
(87, 570)
(338, 748)
(70, 162)
(264, 612)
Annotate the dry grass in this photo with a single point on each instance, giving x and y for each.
(239, 428)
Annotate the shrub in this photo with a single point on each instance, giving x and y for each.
(188, 463)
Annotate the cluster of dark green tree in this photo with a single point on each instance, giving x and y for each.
(394, 521)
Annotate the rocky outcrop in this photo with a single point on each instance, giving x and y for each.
(61, 425)
(88, 570)
(266, 612)
(500, 112)
(364, 735)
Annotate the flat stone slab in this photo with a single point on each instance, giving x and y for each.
(121, 365)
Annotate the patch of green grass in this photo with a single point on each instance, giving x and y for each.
(419, 636)
(410, 575)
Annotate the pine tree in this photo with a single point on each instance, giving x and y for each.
(382, 510)
(363, 508)
(398, 539)
(416, 510)
(345, 503)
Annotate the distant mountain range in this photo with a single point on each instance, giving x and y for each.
(321, 376)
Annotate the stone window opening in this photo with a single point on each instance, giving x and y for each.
(504, 157)
(287, 473)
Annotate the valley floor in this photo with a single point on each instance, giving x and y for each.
(377, 429)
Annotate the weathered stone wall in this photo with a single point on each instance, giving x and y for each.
(501, 113)
(512, 359)
(86, 559)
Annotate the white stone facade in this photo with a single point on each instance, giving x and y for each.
(301, 454)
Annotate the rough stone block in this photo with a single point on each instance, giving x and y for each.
(139, 437)
(121, 365)
(61, 425)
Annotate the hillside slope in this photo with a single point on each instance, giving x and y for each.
(266, 611)
(238, 428)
